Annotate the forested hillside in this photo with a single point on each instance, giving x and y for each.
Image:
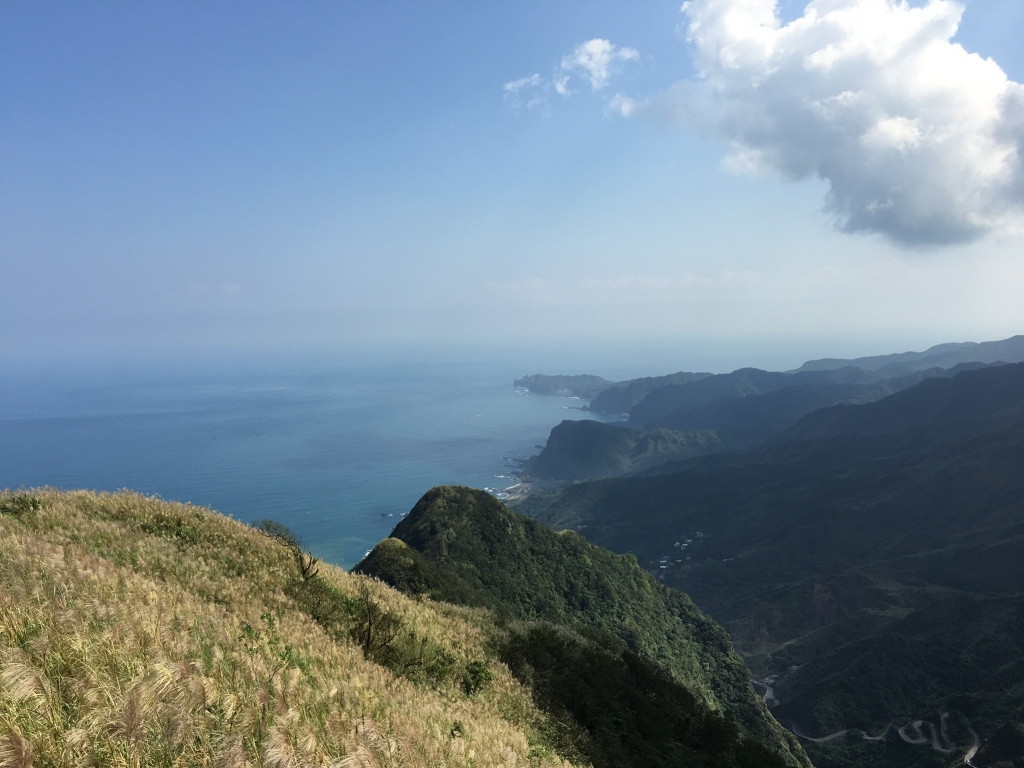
(867, 565)
(464, 546)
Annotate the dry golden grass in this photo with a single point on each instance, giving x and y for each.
(123, 642)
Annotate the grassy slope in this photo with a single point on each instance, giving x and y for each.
(464, 546)
(123, 643)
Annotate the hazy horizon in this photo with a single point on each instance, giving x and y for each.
(615, 361)
(276, 267)
(554, 181)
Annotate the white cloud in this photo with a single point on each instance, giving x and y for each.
(517, 90)
(918, 139)
(516, 86)
(621, 105)
(595, 61)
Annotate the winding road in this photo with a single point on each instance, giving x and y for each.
(769, 692)
(974, 748)
(839, 734)
(911, 733)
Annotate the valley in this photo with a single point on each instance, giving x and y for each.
(865, 557)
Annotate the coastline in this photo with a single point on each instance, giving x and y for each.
(525, 487)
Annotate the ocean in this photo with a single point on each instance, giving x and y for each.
(336, 455)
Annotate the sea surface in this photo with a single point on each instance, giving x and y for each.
(336, 455)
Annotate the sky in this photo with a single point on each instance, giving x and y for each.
(726, 182)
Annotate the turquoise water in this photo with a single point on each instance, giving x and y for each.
(337, 456)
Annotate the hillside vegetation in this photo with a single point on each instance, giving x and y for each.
(590, 450)
(746, 382)
(869, 564)
(587, 450)
(137, 632)
(464, 546)
(620, 398)
(942, 355)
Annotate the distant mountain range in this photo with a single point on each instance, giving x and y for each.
(623, 397)
(710, 416)
(940, 356)
(867, 559)
(687, 414)
(673, 399)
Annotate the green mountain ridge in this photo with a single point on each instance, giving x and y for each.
(464, 546)
(620, 398)
(868, 564)
(978, 401)
(1009, 350)
(742, 383)
(586, 450)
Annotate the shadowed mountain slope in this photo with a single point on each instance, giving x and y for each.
(585, 450)
(742, 383)
(872, 568)
(463, 545)
(968, 403)
(907, 380)
(621, 398)
(744, 422)
(750, 421)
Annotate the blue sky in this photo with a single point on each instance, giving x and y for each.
(180, 178)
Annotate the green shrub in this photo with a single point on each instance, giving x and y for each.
(285, 536)
(380, 633)
(17, 504)
(386, 641)
(171, 527)
(279, 532)
(475, 676)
